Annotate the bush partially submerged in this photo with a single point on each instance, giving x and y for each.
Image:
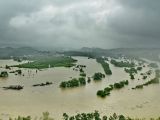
(43, 84)
(83, 74)
(98, 76)
(107, 90)
(13, 87)
(73, 83)
(4, 74)
(94, 116)
(102, 93)
(121, 84)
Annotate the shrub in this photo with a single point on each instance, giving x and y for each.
(4, 74)
(106, 91)
(102, 93)
(82, 81)
(73, 83)
(118, 85)
(98, 76)
(83, 74)
(131, 76)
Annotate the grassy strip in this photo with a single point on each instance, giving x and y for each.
(49, 62)
(105, 66)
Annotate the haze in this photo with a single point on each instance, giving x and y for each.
(80, 23)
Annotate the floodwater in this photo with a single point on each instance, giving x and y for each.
(35, 100)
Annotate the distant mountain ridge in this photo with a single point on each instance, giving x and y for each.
(7, 52)
(149, 53)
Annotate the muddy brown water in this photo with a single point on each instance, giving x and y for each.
(35, 100)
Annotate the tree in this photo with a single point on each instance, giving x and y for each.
(98, 76)
(132, 76)
(4, 74)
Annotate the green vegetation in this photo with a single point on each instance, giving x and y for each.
(120, 84)
(82, 116)
(42, 84)
(144, 77)
(138, 87)
(17, 59)
(98, 76)
(49, 62)
(157, 72)
(102, 93)
(107, 90)
(83, 74)
(19, 71)
(149, 72)
(16, 72)
(139, 68)
(89, 80)
(130, 70)
(13, 87)
(4, 74)
(81, 70)
(152, 81)
(73, 83)
(105, 66)
(82, 81)
(45, 116)
(122, 63)
(131, 76)
(95, 116)
(7, 67)
(81, 66)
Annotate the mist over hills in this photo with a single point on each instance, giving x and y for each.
(149, 53)
(7, 52)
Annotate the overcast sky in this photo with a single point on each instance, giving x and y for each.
(80, 23)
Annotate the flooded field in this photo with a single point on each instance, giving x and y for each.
(35, 100)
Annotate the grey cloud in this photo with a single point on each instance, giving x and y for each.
(74, 23)
(137, 19)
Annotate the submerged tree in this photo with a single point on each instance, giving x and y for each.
(98, 76)
(4, 74)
